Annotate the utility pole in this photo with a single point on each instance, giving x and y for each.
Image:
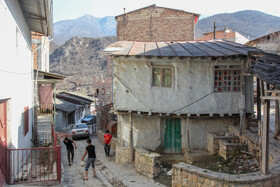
(214, 32)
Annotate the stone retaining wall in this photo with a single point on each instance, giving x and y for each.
(188, 175)
(147, 163)
(227, 150)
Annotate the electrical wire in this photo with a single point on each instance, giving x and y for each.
(15, 72)
(203, 96)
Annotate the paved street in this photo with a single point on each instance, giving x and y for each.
(108, 172)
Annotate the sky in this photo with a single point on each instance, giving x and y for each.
(72, 9)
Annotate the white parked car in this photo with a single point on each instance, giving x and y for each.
(80, 130)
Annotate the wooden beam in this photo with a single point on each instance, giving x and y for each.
(277, 124)
(259, 109)
(265, 138)
(262, 88)
(270, 98)
(273, 91)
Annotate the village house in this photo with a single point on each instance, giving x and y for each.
(70, 109)
(169, 94)
(17, 20)
(226, 34)
(269, 43)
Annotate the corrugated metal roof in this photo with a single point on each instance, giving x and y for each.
(267, 68)
(38, 15)
(208, 48)
(65, 105)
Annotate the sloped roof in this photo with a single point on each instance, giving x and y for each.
(154, 5)
(275, 35)
(74, 98)
(38, 15)
(211, 48)
(65, 105)
(267, 69)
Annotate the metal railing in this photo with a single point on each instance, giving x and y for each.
(45, 109)
(34, 165)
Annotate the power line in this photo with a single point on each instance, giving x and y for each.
(15, 72)
(203, 96)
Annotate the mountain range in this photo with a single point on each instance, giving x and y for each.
(250, 23)
(77, 46)
(85, 26)
(79, 59)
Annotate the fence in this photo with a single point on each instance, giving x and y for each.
(34, 165)
(45, 139)
(45, 109)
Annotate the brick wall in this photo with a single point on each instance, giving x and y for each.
(156, 24)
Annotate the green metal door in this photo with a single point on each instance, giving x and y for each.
(172, 136)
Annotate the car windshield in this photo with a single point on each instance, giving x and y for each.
(88, 116)
(81, 126)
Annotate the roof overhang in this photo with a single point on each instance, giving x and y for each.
(38, 15)
(48, 78)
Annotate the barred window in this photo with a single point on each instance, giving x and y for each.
(227, 80)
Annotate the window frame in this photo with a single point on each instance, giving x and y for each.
(26, 120)
(227, 73)
(162, 76)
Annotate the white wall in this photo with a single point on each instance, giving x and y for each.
(61, 120)
(193, 79)
(239, 38)
(148, 131)
(16, 72)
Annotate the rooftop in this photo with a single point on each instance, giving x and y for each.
(154, 5)
(210, 48)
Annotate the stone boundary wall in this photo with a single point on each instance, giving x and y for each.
(188, 175)
(100, 136)
(147, 163)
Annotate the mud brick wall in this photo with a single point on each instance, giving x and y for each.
(147, 163)
(155, 24)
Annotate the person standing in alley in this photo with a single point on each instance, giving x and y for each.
(70, 149)
(107, 142)
(90, 149)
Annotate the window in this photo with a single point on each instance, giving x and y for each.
(162, 76)
(26, 120)
(227, 78)
(103, 91)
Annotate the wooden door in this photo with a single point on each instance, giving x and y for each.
(172, 136)
(3, 143)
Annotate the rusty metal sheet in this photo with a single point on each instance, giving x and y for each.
(179, 50)
(165, 49)
(138, 49)
(152, 49)
(206, 49)
(126, 47)
(194, 50)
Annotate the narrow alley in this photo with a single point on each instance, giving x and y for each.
(108, 172)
